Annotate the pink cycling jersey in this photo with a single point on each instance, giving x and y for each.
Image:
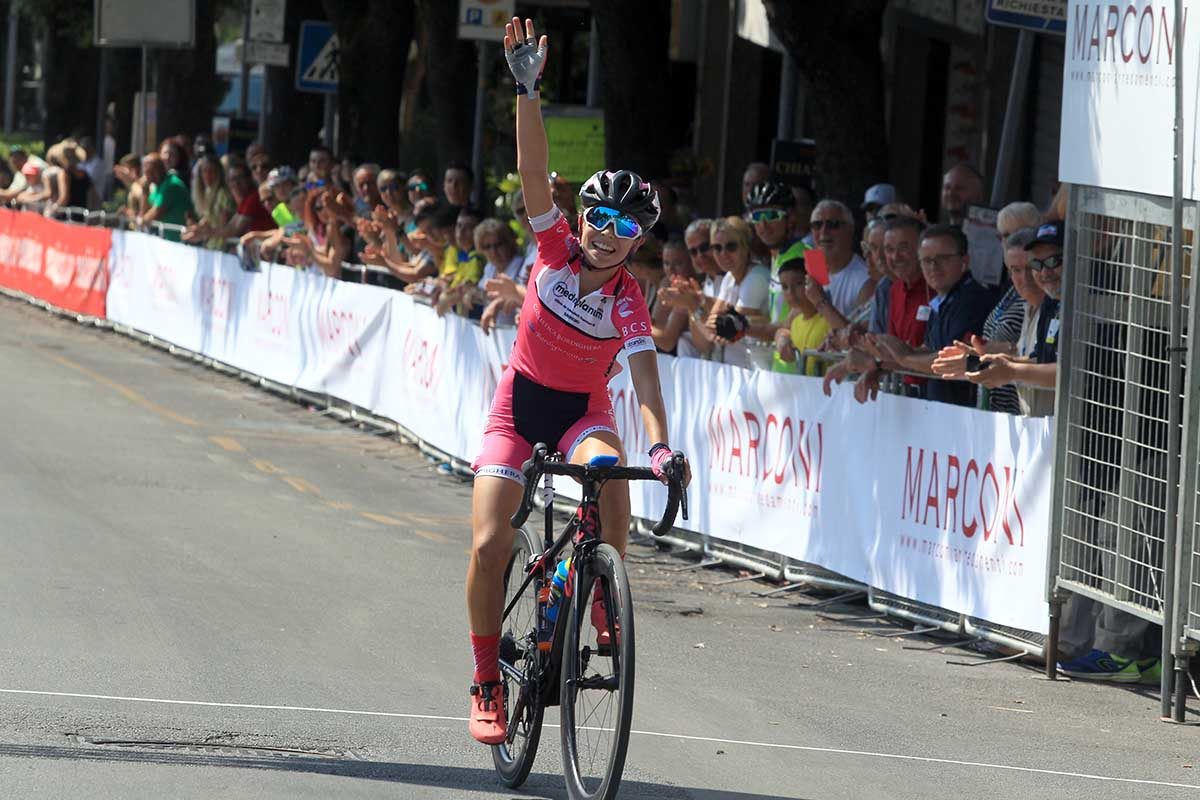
(568, 342)
(555, 389)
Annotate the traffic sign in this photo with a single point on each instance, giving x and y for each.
(484, 19)
(268, 53)
(266, 20)
(1049, 16)
(317, 58)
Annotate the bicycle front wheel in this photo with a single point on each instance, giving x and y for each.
(597, 679)
(520, 668)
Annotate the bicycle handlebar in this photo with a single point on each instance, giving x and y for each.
(538, 465)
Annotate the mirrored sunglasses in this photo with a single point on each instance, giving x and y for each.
(624, 226)
(766, 215)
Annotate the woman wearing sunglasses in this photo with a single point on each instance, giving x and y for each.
(581, 310)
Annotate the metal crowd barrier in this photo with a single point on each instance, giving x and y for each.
(711, 551)
(1114, 534)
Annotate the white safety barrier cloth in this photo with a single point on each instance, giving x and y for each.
(939, 504)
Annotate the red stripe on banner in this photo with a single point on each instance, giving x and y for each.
(65, 265)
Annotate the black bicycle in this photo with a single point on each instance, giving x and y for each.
(591, 680)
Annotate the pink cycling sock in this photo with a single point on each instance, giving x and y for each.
(487, 657)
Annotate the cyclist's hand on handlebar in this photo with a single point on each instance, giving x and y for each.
(661, 463)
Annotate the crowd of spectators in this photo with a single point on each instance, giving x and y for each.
(883, 295)
(794, 284)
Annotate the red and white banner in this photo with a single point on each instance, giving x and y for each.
(936, 503)
(940, 504)
(65, 265)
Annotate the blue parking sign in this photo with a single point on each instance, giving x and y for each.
(317, 58)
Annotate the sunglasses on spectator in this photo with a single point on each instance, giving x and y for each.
(728, 247)
(830, 224)
(624, 226)
(766, 215)
(696, 251)
(888, 217)
(390, 187)
(259, 166)
(1049, 262)
(418, 187)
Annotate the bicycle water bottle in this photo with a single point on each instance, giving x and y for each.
(545, 626)
(549, 598)
(557, 585)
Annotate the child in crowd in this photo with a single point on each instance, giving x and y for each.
(808, 328)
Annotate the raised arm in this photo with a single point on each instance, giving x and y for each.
(526, 58)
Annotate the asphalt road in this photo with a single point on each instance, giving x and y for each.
(208, 591)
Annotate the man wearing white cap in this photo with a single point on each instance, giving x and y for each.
(876, 198)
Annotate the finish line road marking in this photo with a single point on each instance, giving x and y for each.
(656, 734)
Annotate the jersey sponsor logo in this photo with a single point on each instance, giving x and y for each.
(624, 307)
(638, 344)
(634, 329)
(558, 291)
(564, 292)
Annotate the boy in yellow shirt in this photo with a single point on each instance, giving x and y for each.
(807, 329)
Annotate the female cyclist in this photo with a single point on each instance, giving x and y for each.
(581, 309)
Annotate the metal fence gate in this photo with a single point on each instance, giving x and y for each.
(1116, 501)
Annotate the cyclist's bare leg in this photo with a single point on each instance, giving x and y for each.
(493, 503)
(614, 500)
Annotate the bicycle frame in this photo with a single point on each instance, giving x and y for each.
(584, 530)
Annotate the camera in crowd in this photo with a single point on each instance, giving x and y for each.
(732, 326)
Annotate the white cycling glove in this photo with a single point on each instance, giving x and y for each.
(526, 60)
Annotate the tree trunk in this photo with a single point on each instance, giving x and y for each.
(187, 87)
(71, 68)
(294, 118)
(635, 40)
(373, 53)
(124, 81)
(450, 76)
(837, 52)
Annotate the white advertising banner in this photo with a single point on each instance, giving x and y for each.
(940, 504)
(1119, 95)
(296, 328)
(953, 507)
(440, 377)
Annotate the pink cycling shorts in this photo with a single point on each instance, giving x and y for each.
(525, 413)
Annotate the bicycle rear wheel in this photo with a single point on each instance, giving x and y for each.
(597, 682)
(520, 668)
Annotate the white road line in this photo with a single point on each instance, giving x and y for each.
(658, 734)
(236, 705)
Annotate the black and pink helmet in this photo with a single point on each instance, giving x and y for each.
(626, 192)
